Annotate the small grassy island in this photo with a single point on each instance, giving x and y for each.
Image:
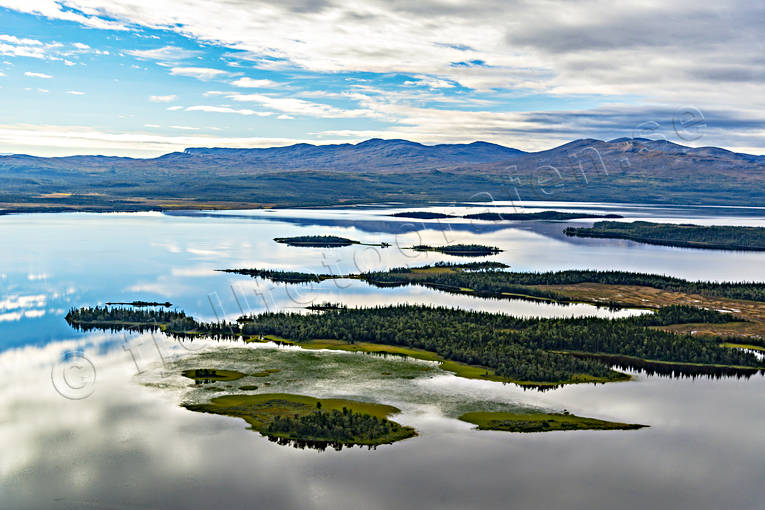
(684, 236)
(305, 421)
(541, 422)
(323, 242)
(542, 215)
(461, 250)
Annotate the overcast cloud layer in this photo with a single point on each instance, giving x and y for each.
(246, 72)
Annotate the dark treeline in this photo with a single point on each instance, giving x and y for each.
(542, 215)
(470, 250)
(499, 216)
(421, 215)
(316, 241)
(281, 276)
(344, 426)
(520, 349)
(683, 314)
(166, 304)
(516, 348)
(718, 237)
(498, 282)
(175, 323)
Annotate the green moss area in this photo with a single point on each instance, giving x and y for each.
(457, 368)
(743, 346)
(266, 372)
(310, 421)
(203, 375)
(541, 422)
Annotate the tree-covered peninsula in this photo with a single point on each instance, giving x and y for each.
(535, 352)
(717, 237)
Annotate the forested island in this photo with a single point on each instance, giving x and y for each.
(305, 421)
(542, 215)
(714, 237)
(532, 352)
(506, 216)
(462, 250)
(166, 304)
(325, 241)
(316, 241)
(422, 215)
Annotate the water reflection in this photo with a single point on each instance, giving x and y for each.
(130, 445)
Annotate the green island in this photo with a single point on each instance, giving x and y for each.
(323, 242)
(305, 421)
(462, 250)
(208, 375)
(542, 215)
(541, 422)
(530, 352)
(714, 237)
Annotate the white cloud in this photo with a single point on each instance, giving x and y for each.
(163, 99)
(174, 108)
(19, 41)
(43, 91)
(226, 109)
(151, 125)
(61, 140)
(186, 128)
(250, 83)
(430, 82)
(201, 73)
(81, 46)
(166, 53)
(2, 74)
(54, 9)
(38, 75)
(291, 105)
(75, 92)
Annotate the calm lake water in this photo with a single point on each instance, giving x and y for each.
(92, 420)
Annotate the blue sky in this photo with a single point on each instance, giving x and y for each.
(142, 78)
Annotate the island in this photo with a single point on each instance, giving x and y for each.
(422, 215)
(209, 375)
(166, 304)
(542, 215)
(461, 250)
(506, 216)
(541, 422)
(324, 241)
(306, 421)
(713, 237)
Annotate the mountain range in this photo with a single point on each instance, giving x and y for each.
(624, 169)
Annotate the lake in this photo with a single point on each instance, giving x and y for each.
(92, 420)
